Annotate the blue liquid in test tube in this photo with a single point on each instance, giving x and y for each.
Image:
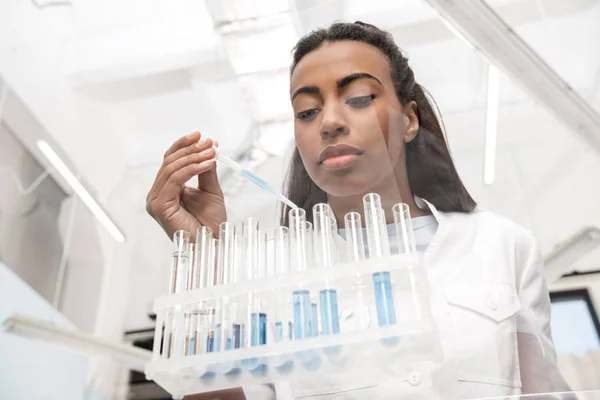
(191, 346)
(384, 300)
(210, 345)
(258, 335)
(302, 314)
(237, 336)
(330, 323)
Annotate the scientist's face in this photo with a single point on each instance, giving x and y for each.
(350, 127)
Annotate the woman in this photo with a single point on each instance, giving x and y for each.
(363, 124)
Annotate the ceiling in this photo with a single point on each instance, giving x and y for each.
(115, 82)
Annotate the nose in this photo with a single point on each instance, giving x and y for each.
(332, 123)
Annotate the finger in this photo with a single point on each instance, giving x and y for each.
(201, 145)
(173, 186)
(168, 163)
(182, 142)
(209, 182)
(183, 162)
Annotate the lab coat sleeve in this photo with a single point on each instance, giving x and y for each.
(537, 356)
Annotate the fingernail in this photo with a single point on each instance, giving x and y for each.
(202, 142)
(191, 135)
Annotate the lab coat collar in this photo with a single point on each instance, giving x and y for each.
(424, 204)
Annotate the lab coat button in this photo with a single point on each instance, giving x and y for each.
(492, 303)
(414, 379)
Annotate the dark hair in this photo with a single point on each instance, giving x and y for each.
(431, 172)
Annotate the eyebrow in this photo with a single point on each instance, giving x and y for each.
(341, 83)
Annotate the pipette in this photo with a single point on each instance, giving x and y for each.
(258, 181)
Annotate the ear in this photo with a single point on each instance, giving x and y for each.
(411, 121)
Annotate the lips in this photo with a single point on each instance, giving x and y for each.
(337, 151)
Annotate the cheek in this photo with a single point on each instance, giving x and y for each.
(307, 147)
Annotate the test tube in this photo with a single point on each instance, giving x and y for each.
(178, 275)
(309, 236)
(179, 262)
(377, 238)
(262, 254)
(354, 237)
(302, 314)
(225, 273)
(212, 276)
(281, 245)
(192, 268)
(404, 231)
(281, 251)
(226, 252)
(326, 256)
(355, 247)
(330, 317)
(407, 245)
(196, 327)
(190, 317)
(210, 317)
(378, 246)
(250, 234)
(297, 218)
(324, 245)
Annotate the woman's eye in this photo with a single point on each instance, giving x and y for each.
(307, 115)
(361, 101)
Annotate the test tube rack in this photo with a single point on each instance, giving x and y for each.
(330, 311)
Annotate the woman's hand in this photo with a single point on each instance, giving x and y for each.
(178, 207)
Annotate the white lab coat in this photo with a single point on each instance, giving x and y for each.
(491, 307)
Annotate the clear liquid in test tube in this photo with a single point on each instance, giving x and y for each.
(406, 245)
(355, 247)
(179, 262)
(174, 334)
(226, 265)
(210, 309)
(282, 327)
(200, 256)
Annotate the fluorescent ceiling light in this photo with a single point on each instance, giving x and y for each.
(501, 45)
(491, 124)
(78, 188)
(564, 256)
(81, 342)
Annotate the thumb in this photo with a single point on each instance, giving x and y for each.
(209, 182)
